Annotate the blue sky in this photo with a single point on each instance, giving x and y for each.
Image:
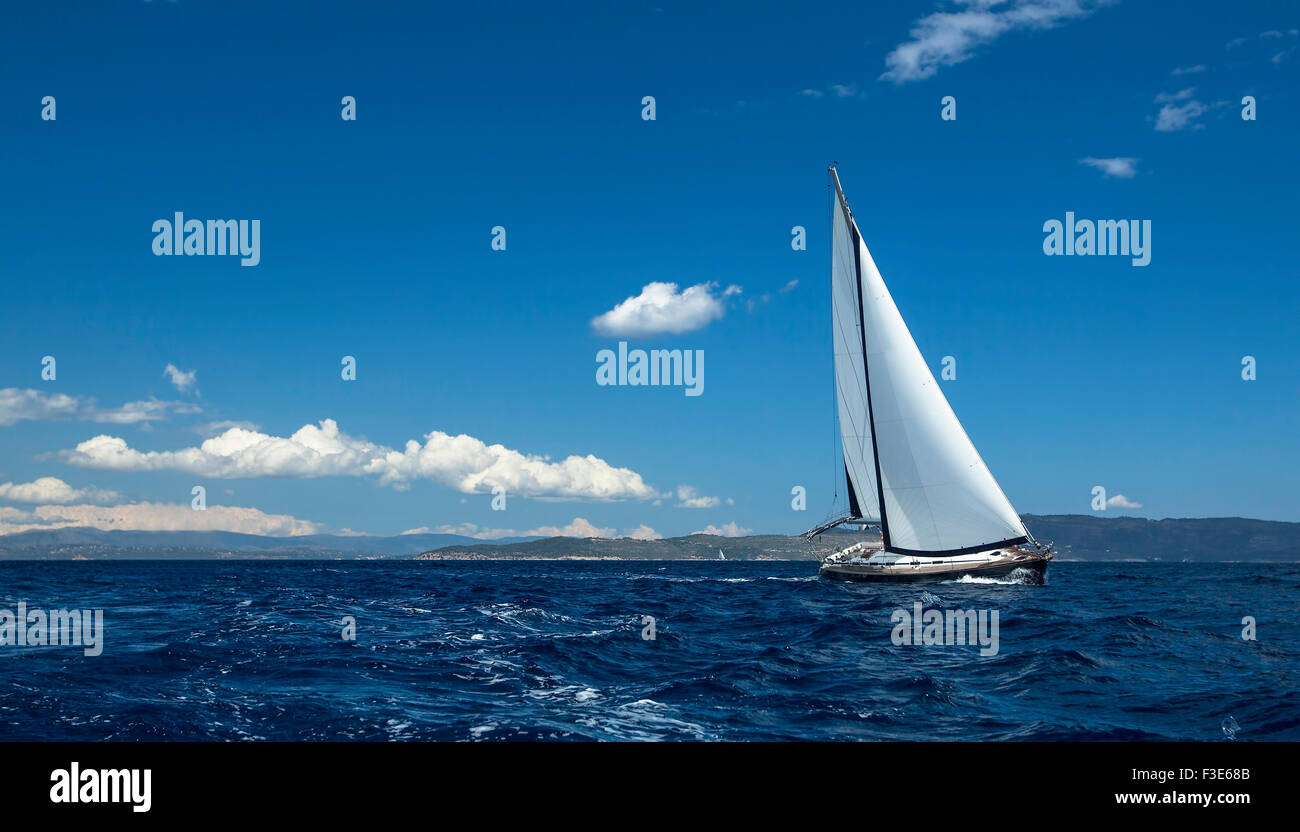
(376, 243)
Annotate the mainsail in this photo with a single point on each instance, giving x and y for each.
(909, 463)
(850, 366)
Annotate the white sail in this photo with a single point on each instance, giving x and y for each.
(938, 496)
(850, 376)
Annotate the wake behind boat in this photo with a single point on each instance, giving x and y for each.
(909, 467)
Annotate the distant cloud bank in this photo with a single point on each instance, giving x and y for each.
(462, 462)
(726, 530)
(18, 405)
(154, 517)
(579, 527)
(52, 490)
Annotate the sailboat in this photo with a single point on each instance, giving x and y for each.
(909, 467)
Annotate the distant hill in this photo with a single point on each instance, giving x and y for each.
(1090, 537)
(94, 544)
(692, 547)
(1077, 537)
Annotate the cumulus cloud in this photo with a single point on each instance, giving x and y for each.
(578, 528)
(221, 425)
(154, 517)
(462, 462)
(466, 530)
(731, 529)
(1120, 501)
(51, 490)
(691, 497)
(643, 532)
(17, 405)
(1120, 167)
(662, 308)
(181, 380)
(951, 36)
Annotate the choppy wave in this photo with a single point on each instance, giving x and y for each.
(485, 651)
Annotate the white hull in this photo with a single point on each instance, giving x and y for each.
(855, 564)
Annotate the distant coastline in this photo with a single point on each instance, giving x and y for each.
(1077, 538)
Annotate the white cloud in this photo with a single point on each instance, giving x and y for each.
(726, 530)
(949, 37)
(131, 413)
(1187, 70)
(466, 530)
(18, 405)
(835, 91)
(789, 286)
(221, 425)
(182, 381)
(34, 405)
(461, 462)
(51, 490)
(643, 532)
(154, 517)
(578, 527)
(690, 497)
(1181, 95)
(1120, 501)
(1120, 167)
(662, 308)
(1174, 117)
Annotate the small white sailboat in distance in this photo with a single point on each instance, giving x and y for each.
(721, 556)
(910, 468)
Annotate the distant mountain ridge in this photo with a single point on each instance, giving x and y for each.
(1077, 537)
(90, 543)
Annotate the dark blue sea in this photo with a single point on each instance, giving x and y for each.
(483, 651)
